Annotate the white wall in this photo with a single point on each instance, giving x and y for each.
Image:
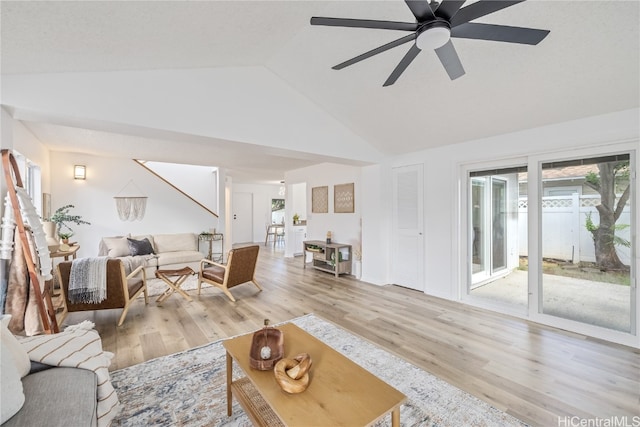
(167, 210)
(15, 136)
(344, 227)
(299, 201)
(262, 195)
(376, 224)
(199, 182)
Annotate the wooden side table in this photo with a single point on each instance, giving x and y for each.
(71, 253)
(66, 254)
(333, 258)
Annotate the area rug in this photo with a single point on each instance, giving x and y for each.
(189, 388)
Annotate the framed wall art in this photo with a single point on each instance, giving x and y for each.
(343, 198)
(320, 199)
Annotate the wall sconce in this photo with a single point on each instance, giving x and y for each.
(79, 172)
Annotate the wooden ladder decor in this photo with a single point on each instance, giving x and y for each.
(43, 297)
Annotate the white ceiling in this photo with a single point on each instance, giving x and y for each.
(588, 65)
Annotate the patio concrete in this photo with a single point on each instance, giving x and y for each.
(597, 303)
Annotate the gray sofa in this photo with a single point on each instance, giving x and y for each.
(170, 251)
(57, 397)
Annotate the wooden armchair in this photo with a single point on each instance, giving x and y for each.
(122, 289)
(240, 268)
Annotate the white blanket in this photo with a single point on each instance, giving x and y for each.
(79, 346)
(88, 280)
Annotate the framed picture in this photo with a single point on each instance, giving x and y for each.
(343, 198)
(320, 199)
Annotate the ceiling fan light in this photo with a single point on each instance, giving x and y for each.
(433, 38)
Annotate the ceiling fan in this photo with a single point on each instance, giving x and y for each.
(436, 24)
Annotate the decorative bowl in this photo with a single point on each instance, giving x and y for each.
(266, 337)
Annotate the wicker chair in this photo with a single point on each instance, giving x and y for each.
(240, 268)
(122, 289)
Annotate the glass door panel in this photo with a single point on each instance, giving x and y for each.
(478, 232)
(586, 242)
(497, 236)
(499, 224)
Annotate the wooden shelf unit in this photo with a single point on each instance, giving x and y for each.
(333, 258)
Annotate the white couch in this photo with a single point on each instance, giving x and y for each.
(170, 251)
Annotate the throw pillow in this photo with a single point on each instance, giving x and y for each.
(117, 246)
(149, 237)
(140, 247)
(11, 392)
(15, 349)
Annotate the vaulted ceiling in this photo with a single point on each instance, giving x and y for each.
(588, 65)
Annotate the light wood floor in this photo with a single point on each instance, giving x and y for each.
(533, 372)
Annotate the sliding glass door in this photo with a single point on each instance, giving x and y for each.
(551, 237)
(494, 236)
(586, 247)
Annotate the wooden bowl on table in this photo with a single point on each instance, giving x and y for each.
(266, 337)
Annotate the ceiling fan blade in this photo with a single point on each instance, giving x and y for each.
(364, 23)
(420, 9)
(449, 8)
(449, 58)
(479, 9)
(499, 33)
(375, 51)
(404, 63)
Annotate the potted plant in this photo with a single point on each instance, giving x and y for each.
(61, 217)
(296, 218)
(65, 237)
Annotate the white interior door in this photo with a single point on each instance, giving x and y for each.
(407, 255)
(242, 217)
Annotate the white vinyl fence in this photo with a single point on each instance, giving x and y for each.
(564, 232)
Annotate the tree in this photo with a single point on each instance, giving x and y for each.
(604, 238)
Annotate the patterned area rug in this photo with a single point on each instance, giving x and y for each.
(189, 388)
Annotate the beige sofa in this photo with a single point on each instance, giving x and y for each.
(170, 251)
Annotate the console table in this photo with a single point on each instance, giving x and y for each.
(330, 257)
(213, 237)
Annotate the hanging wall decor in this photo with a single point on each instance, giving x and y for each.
(343, 198)
(320, 199)
(131, 207)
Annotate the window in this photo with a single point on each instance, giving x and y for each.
(31, 179)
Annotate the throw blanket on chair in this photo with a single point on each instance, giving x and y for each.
(21, 300)
(88, 280)
(79, 346)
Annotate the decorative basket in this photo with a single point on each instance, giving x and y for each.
(266, 337)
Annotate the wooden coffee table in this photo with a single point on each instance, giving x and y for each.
(340, 393)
